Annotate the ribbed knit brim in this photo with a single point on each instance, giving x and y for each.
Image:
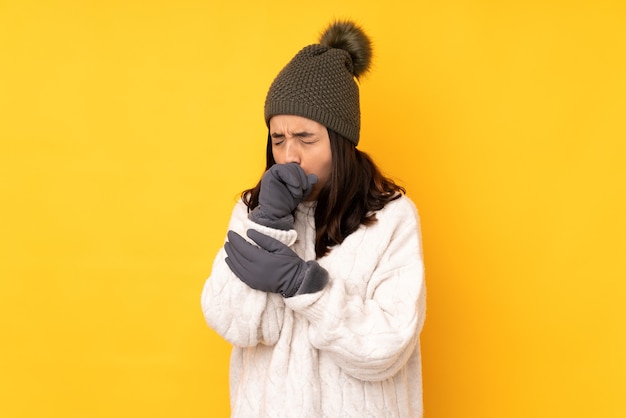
(318, 84)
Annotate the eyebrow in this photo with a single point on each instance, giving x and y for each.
(303, 134)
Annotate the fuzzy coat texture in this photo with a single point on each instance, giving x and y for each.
(350, 350)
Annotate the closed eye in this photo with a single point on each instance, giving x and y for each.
(277, 138)
(305, 137)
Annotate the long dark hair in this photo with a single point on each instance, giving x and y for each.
(355, 190)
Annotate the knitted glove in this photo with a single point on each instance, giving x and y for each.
(272, 267)
(283, 186)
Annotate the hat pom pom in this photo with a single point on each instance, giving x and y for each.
(346, 35)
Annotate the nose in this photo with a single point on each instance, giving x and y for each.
(292, 152)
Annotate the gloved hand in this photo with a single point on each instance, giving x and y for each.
(283, 186)
(272, 267)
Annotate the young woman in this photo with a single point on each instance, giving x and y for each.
(320, 285)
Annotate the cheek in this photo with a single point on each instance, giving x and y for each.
(323, 171)
(278, 157)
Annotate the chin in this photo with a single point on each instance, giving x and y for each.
(313, 196)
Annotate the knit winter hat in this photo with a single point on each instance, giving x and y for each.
(319, 82)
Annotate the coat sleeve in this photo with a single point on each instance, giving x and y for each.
(372, 337)
(243, 316)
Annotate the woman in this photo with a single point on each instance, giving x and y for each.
(320, 286)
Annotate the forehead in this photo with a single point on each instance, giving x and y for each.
(293, 122)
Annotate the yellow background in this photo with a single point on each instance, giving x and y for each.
(128, 128)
